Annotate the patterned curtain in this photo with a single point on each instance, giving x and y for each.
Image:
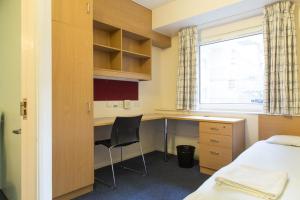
(188, 69)
(281, 71)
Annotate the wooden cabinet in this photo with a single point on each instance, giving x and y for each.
(130, 16)
(220, 143)
(72, 141)
(72, 12)
(121, 54)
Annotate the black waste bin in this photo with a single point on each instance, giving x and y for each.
(185, 154)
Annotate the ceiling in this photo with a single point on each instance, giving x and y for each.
(151, 4)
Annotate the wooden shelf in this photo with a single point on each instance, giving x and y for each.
(135, 43)
(134, 36)
(99, 72)
(135, 55)
(106, 27)
(121, 54)
(105, 48)
(108, 60)
(107, 35)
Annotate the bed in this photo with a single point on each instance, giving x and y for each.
(261, 155)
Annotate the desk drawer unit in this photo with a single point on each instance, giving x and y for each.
(220, 143)
(216, 128)
(214, 157)
(216, 140)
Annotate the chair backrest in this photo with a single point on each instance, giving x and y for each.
(125, 131)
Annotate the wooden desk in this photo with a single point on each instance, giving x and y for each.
(104, 121)
(148, 117)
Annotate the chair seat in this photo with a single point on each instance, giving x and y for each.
(106, 143)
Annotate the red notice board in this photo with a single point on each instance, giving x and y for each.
(115, 90)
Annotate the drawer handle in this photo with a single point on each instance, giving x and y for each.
(214, 153)
(214, 141)
(214, 129)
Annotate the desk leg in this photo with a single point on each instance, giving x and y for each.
(166, 140)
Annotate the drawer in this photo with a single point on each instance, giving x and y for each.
(215, 128)
(216, 140)
(214, 157)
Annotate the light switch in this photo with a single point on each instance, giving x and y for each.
(127, 104)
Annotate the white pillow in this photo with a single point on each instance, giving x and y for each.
(287, 140)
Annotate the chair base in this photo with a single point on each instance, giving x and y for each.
(114, 186)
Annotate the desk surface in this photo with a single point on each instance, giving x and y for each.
(147, 117)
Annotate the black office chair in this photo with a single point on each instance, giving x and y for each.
(125, 131)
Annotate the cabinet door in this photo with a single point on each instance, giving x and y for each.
(74, 12)
(72, 113)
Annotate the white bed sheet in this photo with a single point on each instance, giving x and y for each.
(261, 155)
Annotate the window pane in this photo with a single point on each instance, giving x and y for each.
(232, 72)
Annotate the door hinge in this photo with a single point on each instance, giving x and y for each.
(23, 109)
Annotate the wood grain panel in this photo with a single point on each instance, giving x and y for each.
(107, 60)
(72, 12)
(270, 125)
(238, 138)
(73, 146)
(132, 64)
(161, 41)
(216, 140)
(108, 73)
(75, 193)
(214, 157)
(220, 143)
(136, 46)
(216, 128)
(125, 14)
(129, 16)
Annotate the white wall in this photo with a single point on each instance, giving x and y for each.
(182, 9)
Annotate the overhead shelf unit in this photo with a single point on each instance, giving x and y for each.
(121, 54)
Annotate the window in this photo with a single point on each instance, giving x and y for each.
(232, 73)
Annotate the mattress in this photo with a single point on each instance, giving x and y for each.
(261, 155)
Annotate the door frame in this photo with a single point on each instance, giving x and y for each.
(36, 87)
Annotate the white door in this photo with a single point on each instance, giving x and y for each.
(10, 95)
(25, 62)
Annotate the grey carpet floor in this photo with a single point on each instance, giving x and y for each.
(166, 181)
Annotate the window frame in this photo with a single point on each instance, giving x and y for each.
(227, 107)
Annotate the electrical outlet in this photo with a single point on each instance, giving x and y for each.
(115, 104)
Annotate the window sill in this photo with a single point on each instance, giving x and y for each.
(212, 111)
(229, 111)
